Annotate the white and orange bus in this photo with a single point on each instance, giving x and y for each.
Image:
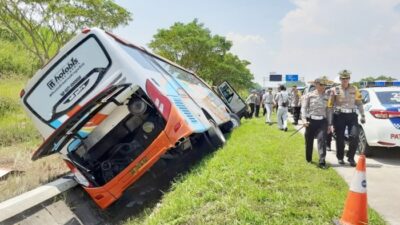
(112, 109)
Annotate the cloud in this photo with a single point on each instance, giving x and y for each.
(240, 39)
(254, 49)
(321, 37)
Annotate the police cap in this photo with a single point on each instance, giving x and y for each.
(344, 74)
(321, 81)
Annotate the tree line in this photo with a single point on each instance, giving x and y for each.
(39, 28)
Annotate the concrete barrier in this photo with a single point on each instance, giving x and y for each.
(27, 200)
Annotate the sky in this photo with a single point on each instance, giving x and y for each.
(311, 38)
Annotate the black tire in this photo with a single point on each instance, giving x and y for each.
(363, 146)
(230, 125)
(215, 135)
(235, 120)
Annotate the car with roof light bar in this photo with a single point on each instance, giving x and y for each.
(382, 115)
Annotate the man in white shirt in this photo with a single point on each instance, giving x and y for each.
(268, 101)
(282, 100)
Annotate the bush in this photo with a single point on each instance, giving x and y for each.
(7, 105)
(13, 132)
(14, 59)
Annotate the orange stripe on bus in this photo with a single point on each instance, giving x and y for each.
(74, 110)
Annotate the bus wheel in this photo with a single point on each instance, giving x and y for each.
(215, 135)
(230, 125)
(235, 120)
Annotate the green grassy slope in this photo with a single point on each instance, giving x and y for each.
(18, 139)
(15, 126)
(259, 177)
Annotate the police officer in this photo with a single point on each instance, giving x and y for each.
(295, 104)
(343, 103)
(251, 101)
(314, 116)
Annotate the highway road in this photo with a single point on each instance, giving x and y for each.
(383, 179)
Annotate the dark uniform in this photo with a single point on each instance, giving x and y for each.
(314, 111)
(343, 105)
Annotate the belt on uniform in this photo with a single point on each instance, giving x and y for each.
(317, 117)
(346, 110)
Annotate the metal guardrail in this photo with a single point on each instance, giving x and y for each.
(27, 200)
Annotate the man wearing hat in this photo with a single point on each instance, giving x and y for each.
(314, 114)
(343, 103)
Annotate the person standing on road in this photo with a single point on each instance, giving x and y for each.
(268, 101)
(343, 103)
(282, 100)
(295, 104)
(251, 101)
(314, 113)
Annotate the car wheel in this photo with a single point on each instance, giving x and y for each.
(363, 146)
(215, 135)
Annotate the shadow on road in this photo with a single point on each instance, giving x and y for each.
(388, 156)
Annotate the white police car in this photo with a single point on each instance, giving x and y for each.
(382, 114)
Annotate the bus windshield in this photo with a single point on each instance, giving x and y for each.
(68, 80)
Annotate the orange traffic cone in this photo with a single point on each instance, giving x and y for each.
(355, 208)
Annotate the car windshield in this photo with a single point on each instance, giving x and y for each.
(389, 97)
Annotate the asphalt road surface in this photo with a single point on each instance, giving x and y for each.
(383, 179)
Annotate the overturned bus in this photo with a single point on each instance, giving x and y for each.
(112, 109)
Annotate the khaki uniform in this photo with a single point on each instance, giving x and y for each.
(295, 104)
(251, 101)
(343, 104)
(346, 100)
(295, 101)
(314, 110)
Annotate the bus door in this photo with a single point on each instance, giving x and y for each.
(232, 99)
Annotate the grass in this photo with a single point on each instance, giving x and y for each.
(259, 177)
(34, 174)
(18, 139)
(15, 126)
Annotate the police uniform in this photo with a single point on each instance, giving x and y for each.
(295, 104)
(251, 101)
(343, 104)
(314, 111)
